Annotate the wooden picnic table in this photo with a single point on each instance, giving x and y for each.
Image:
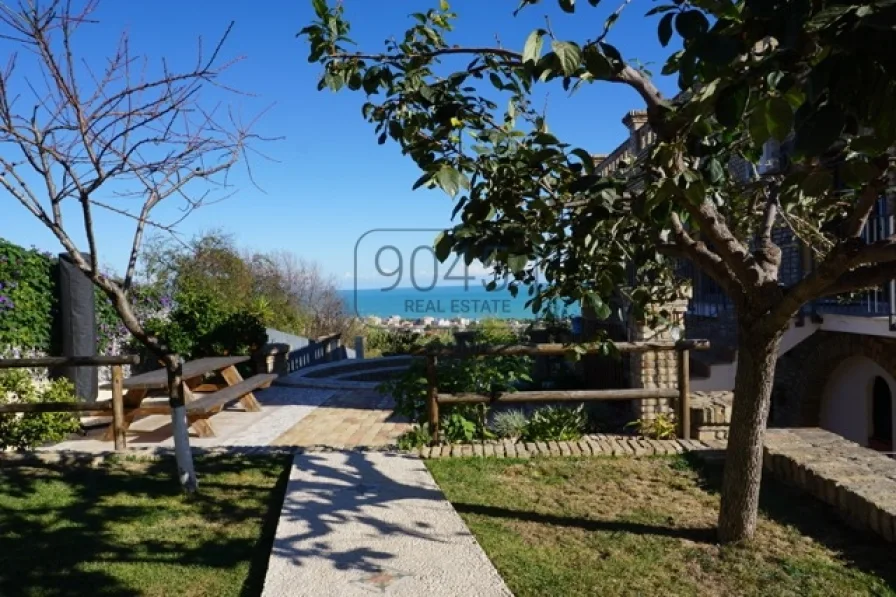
(230, 387)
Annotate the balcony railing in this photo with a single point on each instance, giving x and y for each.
(709, 300)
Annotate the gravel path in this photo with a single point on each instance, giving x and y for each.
(356, 523)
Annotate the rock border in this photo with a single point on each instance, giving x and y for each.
(591, 445)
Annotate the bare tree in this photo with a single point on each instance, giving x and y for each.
(111, 137)
(314, 292)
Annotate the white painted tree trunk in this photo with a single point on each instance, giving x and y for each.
(186, 474)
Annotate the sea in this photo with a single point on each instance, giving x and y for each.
(473, 302)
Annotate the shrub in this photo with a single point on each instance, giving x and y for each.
(510, 424)
(480, 375)
(661, 427)
(23, 431)
(199, 325)
(483, 375)
(556, 423)
(415, 437)
(397, 342)
(466, 423)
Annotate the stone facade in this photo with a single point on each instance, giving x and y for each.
(803, 373)
(710, 415)
(655, 369)
(271, 358)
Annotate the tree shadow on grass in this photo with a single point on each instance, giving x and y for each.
(68, 528)
(697, 535)
(812, 518)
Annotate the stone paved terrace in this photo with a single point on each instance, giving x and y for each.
(349, 419)
(282, 409)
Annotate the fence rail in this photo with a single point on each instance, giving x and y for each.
(42, 362)
(681, 395)
(318, 350)
(117, 404)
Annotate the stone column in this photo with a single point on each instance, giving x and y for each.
(656, 369)
(271, 358)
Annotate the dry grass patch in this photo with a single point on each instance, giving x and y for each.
(646, 526)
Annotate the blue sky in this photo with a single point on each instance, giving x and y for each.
(327, 182)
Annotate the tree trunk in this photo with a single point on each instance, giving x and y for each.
(186, 474)
(756, 360)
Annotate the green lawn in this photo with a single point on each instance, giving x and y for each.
(624, 526)
(126, 529)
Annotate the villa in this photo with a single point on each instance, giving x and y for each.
(837, 361)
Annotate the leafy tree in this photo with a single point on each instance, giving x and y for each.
(816, 73)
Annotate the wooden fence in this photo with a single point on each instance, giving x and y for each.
(681, 395)
(115, 406)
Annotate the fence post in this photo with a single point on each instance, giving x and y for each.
(118, 431)
(432, 393)
(684, 395)
(360, 342)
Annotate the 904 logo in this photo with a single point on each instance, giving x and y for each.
(397, 273)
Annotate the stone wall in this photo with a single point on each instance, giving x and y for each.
(710, 415)
(860, 483)
(655, 369)
(804, 371)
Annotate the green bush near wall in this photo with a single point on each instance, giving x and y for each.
(27, 298)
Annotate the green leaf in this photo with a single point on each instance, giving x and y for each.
(569, 54)
(857, 173)
(425, 179)
(568, 5)
(320, 8)
(534, 43)
(596, 63)
(780, 118)
(665, 29)
(443, 245)
(817, 183)
(601, 309)
(443, 5)
(758, 123)
(585, 157)
(691, 24)
(659, 9)
(517, 263)
(450, 180)
(714, 171)
(819, 131)
(731, 103)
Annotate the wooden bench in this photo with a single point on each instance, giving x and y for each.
(198, 376)
(200, 409)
